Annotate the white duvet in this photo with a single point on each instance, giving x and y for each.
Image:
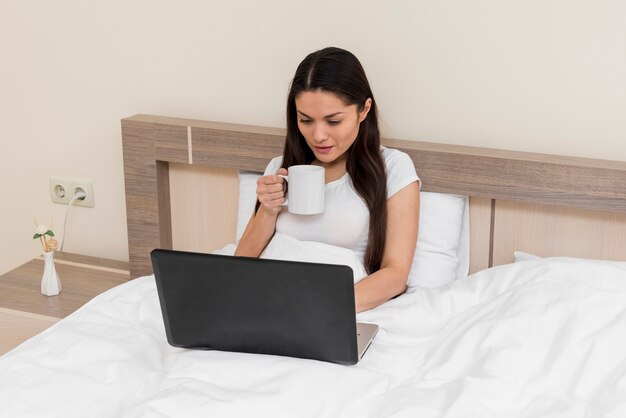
(532, 339)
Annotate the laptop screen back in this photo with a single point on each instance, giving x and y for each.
(256, 305)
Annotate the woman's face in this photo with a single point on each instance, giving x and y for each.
(328, 125)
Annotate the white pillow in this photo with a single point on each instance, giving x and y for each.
(520, 256)
(247, 200)
(442, 252)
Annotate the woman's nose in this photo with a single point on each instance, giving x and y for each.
(319, 132)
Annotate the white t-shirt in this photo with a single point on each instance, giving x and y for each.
(345, 220)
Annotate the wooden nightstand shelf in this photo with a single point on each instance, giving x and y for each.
(25, 312)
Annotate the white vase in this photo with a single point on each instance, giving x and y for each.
(50, 283)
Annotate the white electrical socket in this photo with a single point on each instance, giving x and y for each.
(63, 189)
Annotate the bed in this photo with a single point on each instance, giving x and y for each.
(516, 305)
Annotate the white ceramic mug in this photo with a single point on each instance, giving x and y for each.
(305, 192)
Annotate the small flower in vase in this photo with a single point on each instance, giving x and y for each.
(50, 283)
(45, 234)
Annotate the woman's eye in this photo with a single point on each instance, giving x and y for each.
(334, 122)
(306, 121)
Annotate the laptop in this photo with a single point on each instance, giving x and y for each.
(253, 305)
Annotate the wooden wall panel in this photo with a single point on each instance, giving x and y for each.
(519, 176)
(171, 143)
(249, 151)
(480, 236)
(556, 231)
(204, 207)
(142, 208)
(151, 143)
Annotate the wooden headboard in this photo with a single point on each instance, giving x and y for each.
(545, 204)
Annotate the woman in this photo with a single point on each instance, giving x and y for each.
(372, 193)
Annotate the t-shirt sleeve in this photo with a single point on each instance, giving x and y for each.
(273, 165)
(400, 171)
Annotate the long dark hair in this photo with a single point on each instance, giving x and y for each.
(338, 71)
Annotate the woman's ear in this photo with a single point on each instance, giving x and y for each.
(366, 108)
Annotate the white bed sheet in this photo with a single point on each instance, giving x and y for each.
(531, 339)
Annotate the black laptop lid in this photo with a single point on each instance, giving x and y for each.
(256, 305)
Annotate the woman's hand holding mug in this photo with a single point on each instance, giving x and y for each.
(306, 191)
(270, 191)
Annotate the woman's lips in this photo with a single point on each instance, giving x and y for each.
(323, 150)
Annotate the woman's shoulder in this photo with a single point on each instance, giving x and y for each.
(393, 157)
(400, 170)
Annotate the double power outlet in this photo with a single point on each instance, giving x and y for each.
(63, 189)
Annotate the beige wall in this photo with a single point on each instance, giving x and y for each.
(540, 75)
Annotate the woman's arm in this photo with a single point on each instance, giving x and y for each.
(401, 238)
(262, 224)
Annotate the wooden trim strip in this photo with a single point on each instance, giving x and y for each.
(189, 145)
(163, 205)
(492, 224)
(30, 315)
(89, 266)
